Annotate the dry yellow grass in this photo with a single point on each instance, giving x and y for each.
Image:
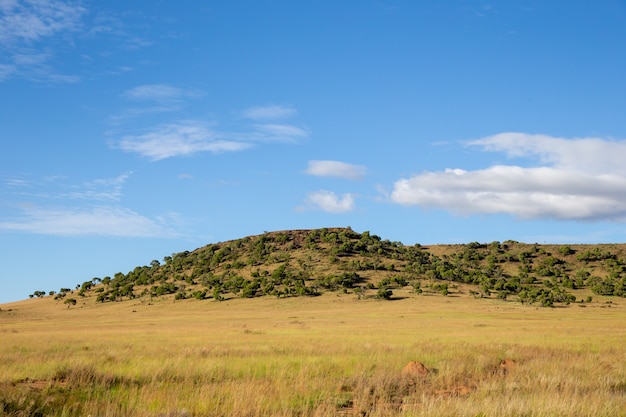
(322, 356)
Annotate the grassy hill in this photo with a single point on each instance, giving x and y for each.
(304, 333)
(311, 262)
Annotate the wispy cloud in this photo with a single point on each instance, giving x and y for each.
(57, 187)
(52, 206)
(16, 182)
(159, 92)
(330, 202)
(25, 28)
(148, 99)
(31, 20)
(578, 179)
(271, 112)
(179, 139)
(102, 221)
(108, 189)
(35, 35)
(117, 27)
(278, 132)
(188, 137)
(336, 169)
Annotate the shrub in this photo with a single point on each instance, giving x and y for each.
(384, 293)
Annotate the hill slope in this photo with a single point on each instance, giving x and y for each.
(309, 262)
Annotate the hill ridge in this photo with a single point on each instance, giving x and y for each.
(308, 262)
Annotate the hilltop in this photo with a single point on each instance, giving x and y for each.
(311, 262)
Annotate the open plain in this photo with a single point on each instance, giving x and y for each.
(329, 355)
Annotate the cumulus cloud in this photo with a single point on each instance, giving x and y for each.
(271, 112)
(336, 169)
(577, 179)
(179, 139)
(102, 221)
(592, 155)
(330, 202)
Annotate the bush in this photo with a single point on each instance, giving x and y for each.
(384, 293)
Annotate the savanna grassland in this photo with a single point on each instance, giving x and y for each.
(552, 345)
(322, 356)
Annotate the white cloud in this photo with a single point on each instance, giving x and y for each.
(269, 112)
(30, 59)
(279, 132)
(31, 20)
(188, 137)
(58, 188)
(593, 155)
(90, 208)
(36, 34)
(336, 169)
(581, 179)
(330, 202)
(158, 92)
(16, 182)
(102, 221)
(107, 189)
(6, 71)
(26, 29)
(153, 98)
(179, 139)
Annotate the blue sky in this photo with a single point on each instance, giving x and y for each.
(134, 130)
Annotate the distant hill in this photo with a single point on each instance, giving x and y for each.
(309, 262)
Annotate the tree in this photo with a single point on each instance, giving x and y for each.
(70, 302)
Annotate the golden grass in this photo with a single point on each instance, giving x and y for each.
(322, 356)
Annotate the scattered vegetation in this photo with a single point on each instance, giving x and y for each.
(310, 262)
(298, 323)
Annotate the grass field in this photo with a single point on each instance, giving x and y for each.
(319, 356)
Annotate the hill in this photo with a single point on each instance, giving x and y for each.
(310, 262)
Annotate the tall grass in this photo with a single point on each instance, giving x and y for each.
(330, 355)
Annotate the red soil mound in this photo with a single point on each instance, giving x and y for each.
(415, 370)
